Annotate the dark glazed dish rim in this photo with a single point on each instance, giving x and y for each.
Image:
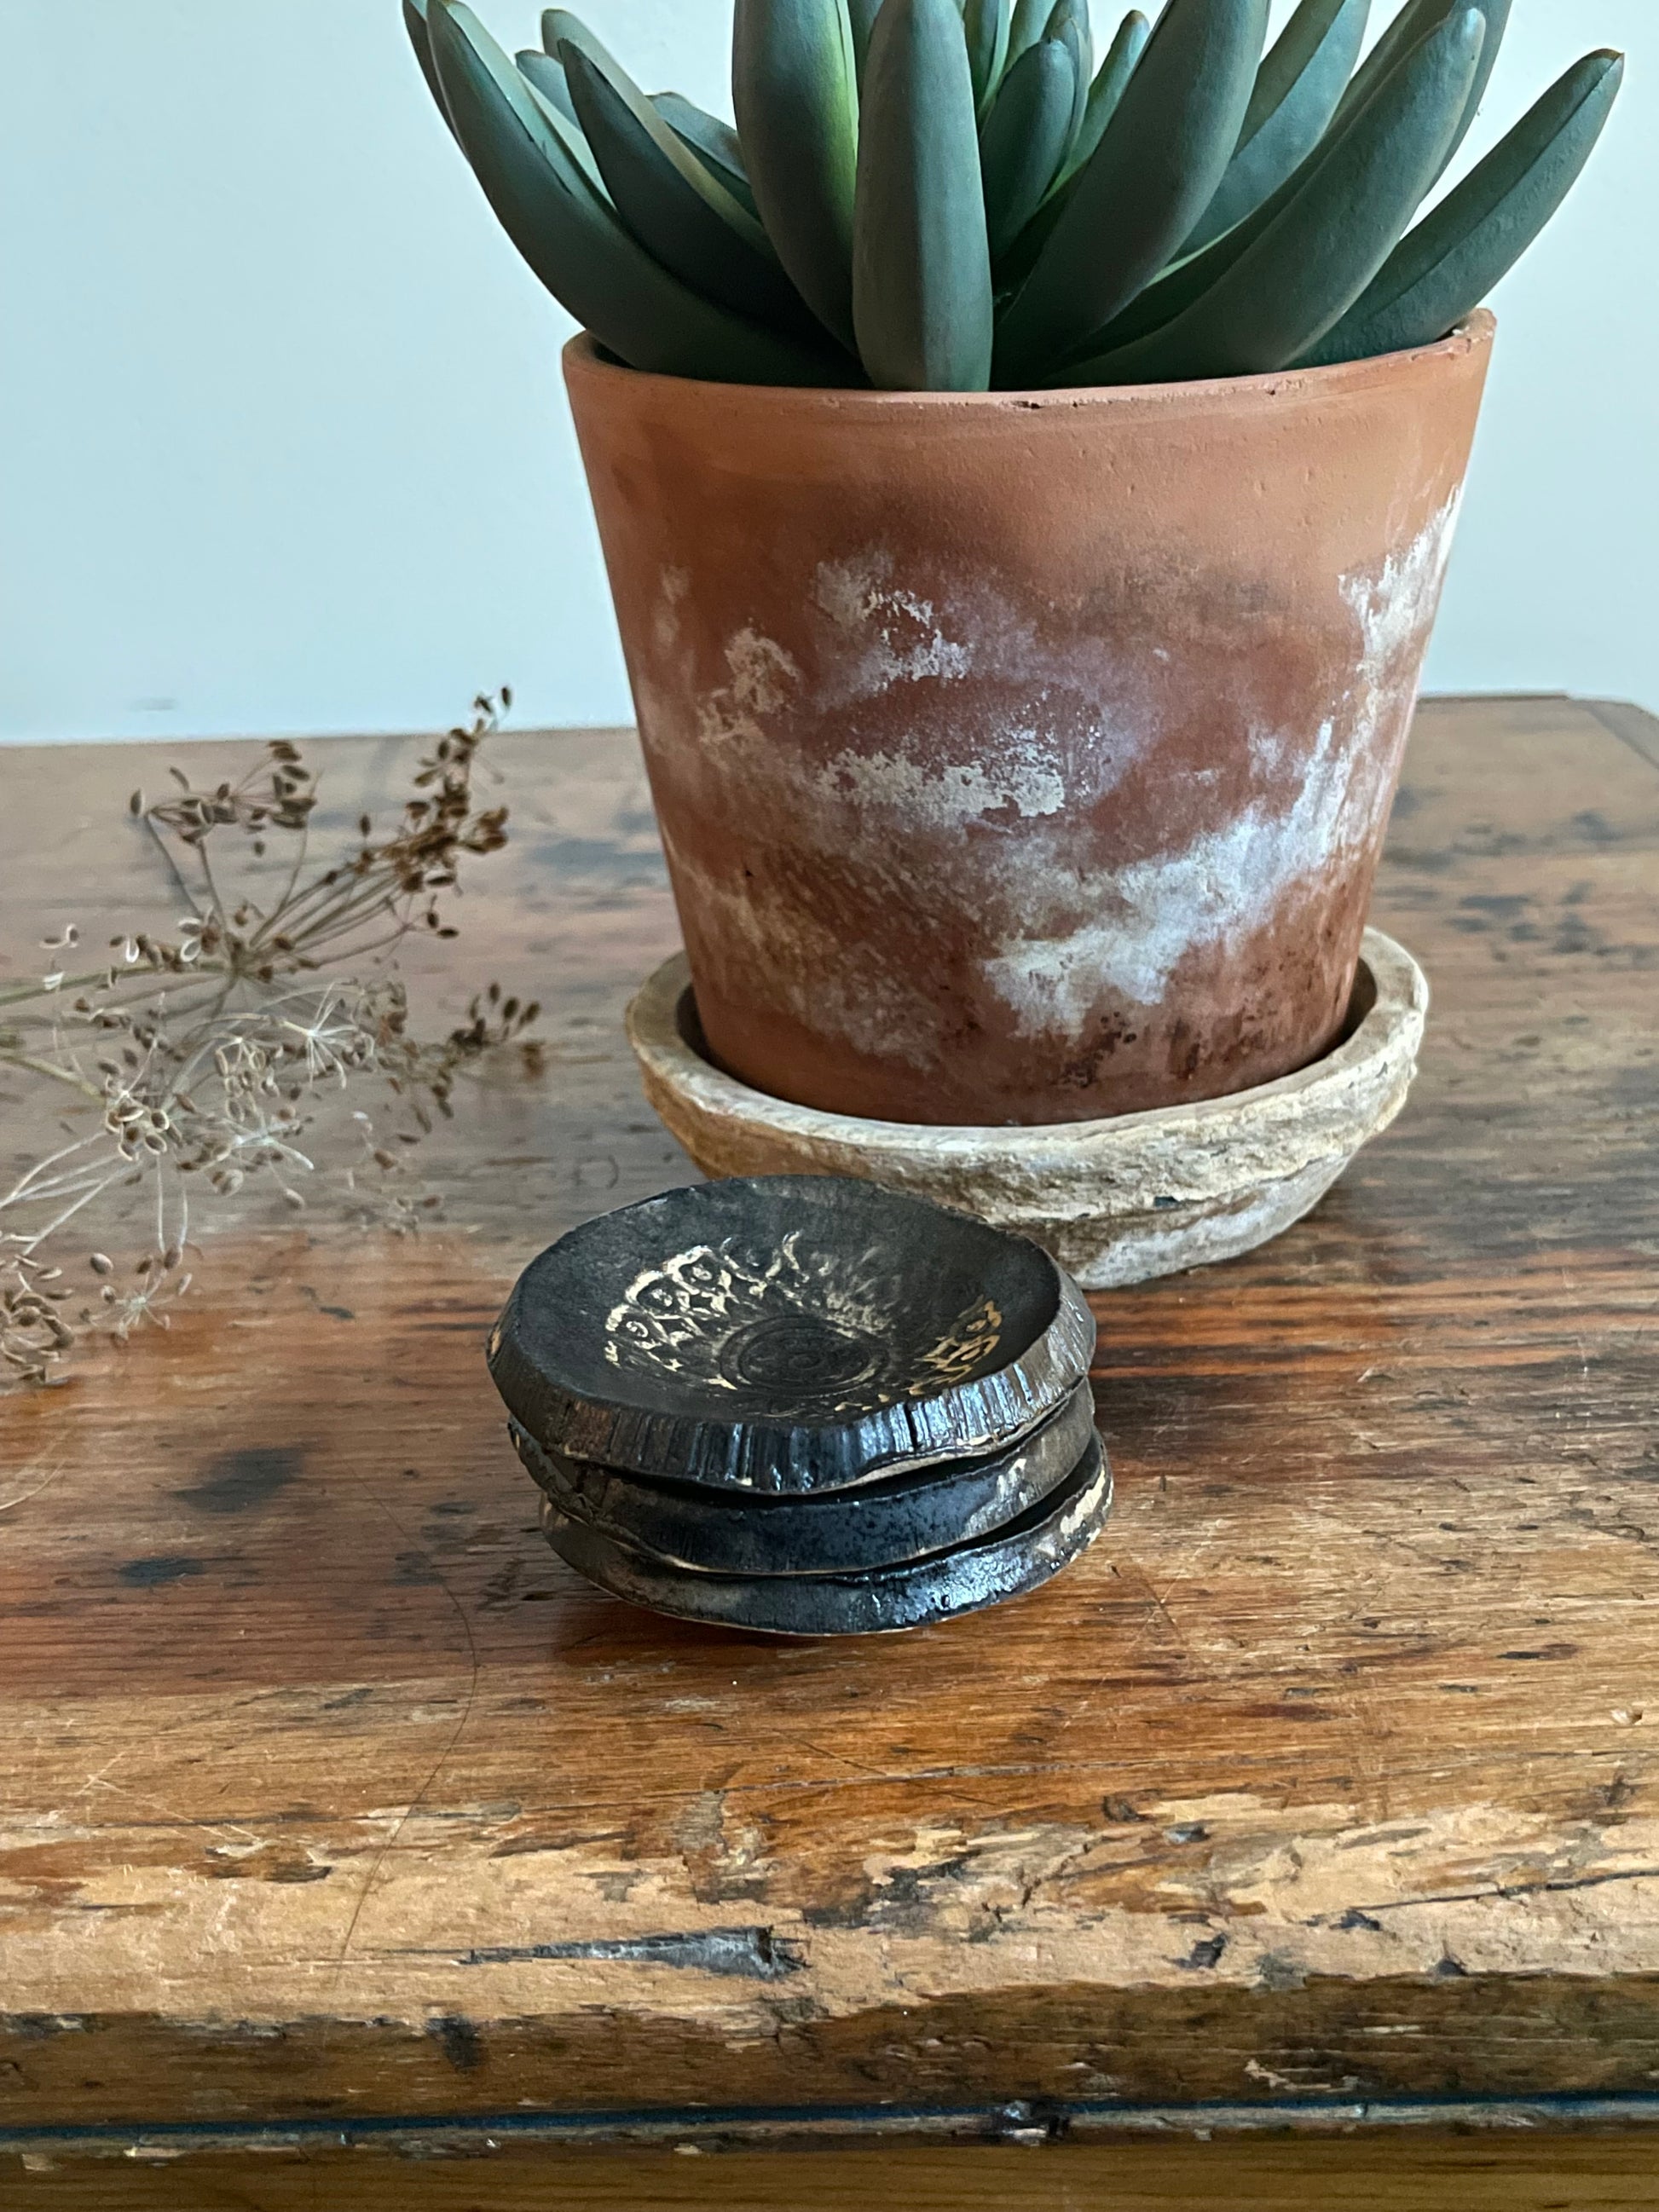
(554, 1361)
(906, 1517)
(991, 1569)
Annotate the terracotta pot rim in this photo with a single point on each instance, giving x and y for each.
(582, 357)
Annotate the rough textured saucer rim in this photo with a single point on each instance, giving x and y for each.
(867, 1529)
(959, 1420)
(990, 1571)
(1116, 1200)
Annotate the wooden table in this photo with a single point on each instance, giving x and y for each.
(353, 1852)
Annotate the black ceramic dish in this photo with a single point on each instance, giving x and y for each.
(788, 1334)
(1005, 1564)
(879, 1524)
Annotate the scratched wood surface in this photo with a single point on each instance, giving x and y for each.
(326, 1791)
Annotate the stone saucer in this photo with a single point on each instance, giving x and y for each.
(879, 1524)
(788, 1334)
(1004, 1563)
(1116, 1201)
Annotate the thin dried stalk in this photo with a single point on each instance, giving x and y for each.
(215, 1054)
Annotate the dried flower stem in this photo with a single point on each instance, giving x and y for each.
(212, 1053)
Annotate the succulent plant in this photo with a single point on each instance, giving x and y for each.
(948, 195)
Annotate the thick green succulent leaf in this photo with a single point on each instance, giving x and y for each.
(861, 15)
(711, 137)
(1298, 91)
(1336, 230)
(1189, 278)
(1111, 81)
(547, 76)
(1496, 13)
(676, 210)
(572, 238)
(1075, 13)
(561, 27)
(987, 25)
(1197, 274)
(1025, 138)
(1028, 23)
(569, 132)
(628, 132)
(421, 38)
(1152, 176)
(1100, 101)
(921, 268)
(1016, 262)
(1068, 29)
(714, 142)
(1299, 47)
(1414, 22)
(1442, 271)
(794, 87)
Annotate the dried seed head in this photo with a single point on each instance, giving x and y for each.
(224, 1085)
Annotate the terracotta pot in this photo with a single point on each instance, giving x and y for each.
(1025, 758)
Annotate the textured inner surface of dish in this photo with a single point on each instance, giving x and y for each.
(797, 1330)
(799, 1299)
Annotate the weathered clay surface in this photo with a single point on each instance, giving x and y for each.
(1024, 758)
(1116, 1201)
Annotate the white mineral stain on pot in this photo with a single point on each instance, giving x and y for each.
(764, 677)
(1024, 772)
(897, 634)
(1081, 936)
(666, 619)
(1147, 918)
(1395, 607)
(1151, 914)
(1032, 788)
(752, 931)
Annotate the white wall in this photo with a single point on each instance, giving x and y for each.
(283, 444)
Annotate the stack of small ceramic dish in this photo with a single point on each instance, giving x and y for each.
(803, 1405)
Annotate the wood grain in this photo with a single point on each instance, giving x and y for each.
(1328, 1775)
(1592, 2173)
